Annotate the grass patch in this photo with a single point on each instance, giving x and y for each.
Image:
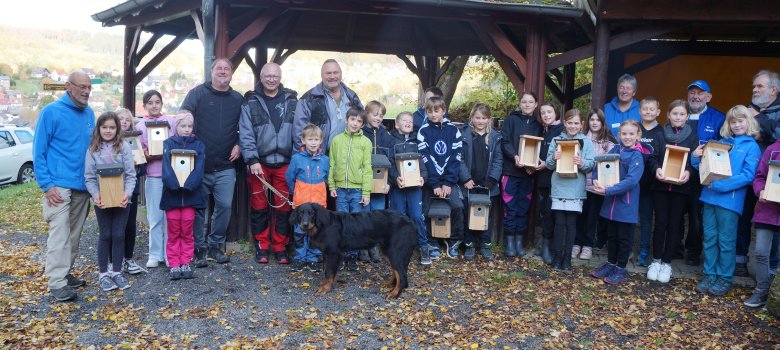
(20, 209)
(500, 278)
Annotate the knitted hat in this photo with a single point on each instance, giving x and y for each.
(182, 117)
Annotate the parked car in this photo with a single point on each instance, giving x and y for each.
(16, 155)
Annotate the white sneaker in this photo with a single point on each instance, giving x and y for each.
(152, 263)
(575, 250)
(665, 273)
(652, 271)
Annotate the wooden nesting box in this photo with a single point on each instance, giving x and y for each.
(156, 133)
(566, 166)
(112, 184)
(608, 169)
(132, 138)
(529, 149)
(715, 162)
(182, 162)
(772, 189)
(380, 167)
(675, 159)
(440, 212)
(479, 210)
(407, 160)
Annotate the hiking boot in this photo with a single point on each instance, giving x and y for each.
(758, 299)
(485, 249)
(471, 251)
(261, 256)
(74, 282)
(619, 275)
(186, 271)
(606, 269)
(175, 273)
(705, 284)
(720, 287)
(425, 255)
(131, 267)
(64, 294)
(107, 284)
(653, 270)
(120, 281)
(434, 251)
(586, 253)
(510, 246)
(216, 254)
(281, 258)
(350, 263)
(375, 254)
(575, 251)
(643, 258)
(200, 258)
(363, 256)
(741, 270)
(452, 248)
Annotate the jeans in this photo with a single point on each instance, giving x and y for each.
(66, 220)
(720, 234)
(180, 246)
(645, 220)
(517, 198)
(588, 222)
(377, 202)
(220, 184)
(156, 218)
(765, 243)
(408, 201)
(304, 251)
(348, 201)
(111, 223)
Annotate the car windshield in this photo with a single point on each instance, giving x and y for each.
(24, 136)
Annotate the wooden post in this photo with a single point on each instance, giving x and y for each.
(529, 147)
(608, 169)
(600, 66)
(380, 166)
(182, 162)
(112, 184)
(675, 160)
(132, 138)
(715, 162)
(565, 166)
(128, 84)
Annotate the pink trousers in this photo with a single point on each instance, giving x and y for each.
(181, 244)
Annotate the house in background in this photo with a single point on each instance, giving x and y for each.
(38, 73)
(90, 72)
(5, 82)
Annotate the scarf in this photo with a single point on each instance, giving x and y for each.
(676, 138)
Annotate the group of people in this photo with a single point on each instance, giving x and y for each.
(323, 147)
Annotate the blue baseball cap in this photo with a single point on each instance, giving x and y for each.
(701, 84)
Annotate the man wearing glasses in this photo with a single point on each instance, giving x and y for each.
(266, 141)
(59, 147)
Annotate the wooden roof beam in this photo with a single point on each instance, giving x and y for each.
(513, 73)
(501, 41)
(165, 13)
(253, 30)
(615, 42)
(155, 61)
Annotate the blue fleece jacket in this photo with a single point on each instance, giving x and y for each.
(614, 116)
(729, 193)
(707, 124)
(61, 140)
(621, 201)
(441, 149)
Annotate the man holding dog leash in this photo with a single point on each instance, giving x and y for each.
(266, 145)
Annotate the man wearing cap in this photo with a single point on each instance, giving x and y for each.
(706, 120)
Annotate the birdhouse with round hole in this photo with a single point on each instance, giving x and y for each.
(111, 181)
(439, 212)
(407, 161)
(132, 137)
(772, 189)
(608, 169)
(715, 162)
(529, 149)
(479, 209)
(565, 166)
(156, 133)
(675, 160)
(380, 166)
(182, 162)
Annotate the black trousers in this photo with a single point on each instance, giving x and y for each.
(546, 217)
(111, 223)
(565, 230)
(669, 211)
(693, 241)
(621, 236)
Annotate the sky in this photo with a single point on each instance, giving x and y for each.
(54, 14)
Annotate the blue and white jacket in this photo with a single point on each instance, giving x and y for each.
(707, 124)
(621, 201)
(729, 193)
(441, 149)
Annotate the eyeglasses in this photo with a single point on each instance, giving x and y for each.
(80, 86)
(272, 77)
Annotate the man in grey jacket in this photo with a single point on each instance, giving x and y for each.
(266, 141)
(325, 105)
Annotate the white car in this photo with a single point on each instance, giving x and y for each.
(16, 155)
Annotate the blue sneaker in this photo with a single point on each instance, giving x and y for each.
(618, 276)
(435, 251)
(642, 259)
(603, 271)
(720, 287)
(705, 284)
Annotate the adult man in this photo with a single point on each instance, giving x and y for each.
(706, 120)
(216, 108)
(61, 139)
(325, 105)
(623, 106)
(266, 145)
(419, 117)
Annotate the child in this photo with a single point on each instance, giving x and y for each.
(382, 143)
(306, 177)
(517, 181)
(767, 224)
(129, 265)
(588, 222)
(651, 138)
(350, 175)
(440, 146)
(620, 206)
(180, 201)
(568, 194)
(482, 167)
(153, 186)
(552, 128)
(670, 200)
(107, 147)
(723, 200)
(407, 198)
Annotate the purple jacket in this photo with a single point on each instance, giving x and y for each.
(766, 212)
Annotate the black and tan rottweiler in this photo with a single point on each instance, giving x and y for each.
(335, 233)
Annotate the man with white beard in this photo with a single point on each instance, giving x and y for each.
(766, 85)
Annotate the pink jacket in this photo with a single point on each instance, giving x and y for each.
(766, 212)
